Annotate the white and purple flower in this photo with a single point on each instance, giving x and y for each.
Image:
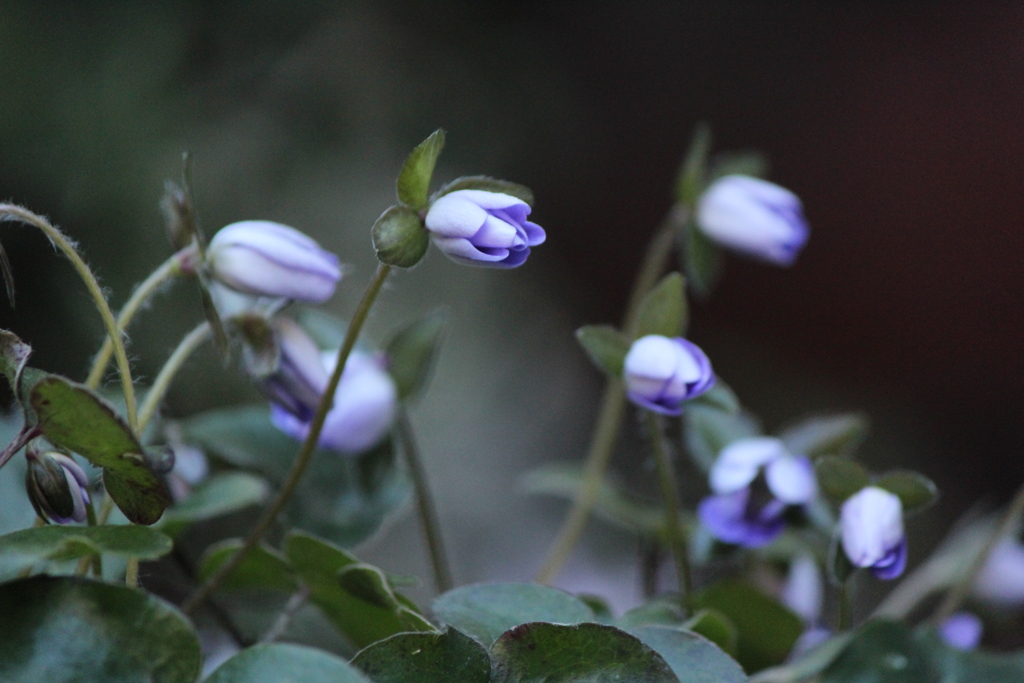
(263, 258)
(481, 228)
(300, 378)
(755, 481)
(57, 487)
(662, 372)
(871, 523)
(754, 217)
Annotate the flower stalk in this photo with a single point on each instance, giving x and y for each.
(670, 501)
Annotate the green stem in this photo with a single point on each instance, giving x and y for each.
(295, 603)
(958, 594)
(305, 454)
(613, 403)
(131, 573)
(167, 270)
(57, 238)
(670, 499)
(105, 510)
(844, 612)
(425, 504)
(192, 341)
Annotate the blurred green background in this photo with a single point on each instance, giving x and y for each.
(898, 126)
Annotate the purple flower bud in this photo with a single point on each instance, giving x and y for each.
(871, 522)
(755, 217)
(264, 258)
(57, 487)
(299, 380)
(481, 228)
(1001, 580)
(661, 373)
(961, 630)
(364, 406)
(754, 481)
(803, 591)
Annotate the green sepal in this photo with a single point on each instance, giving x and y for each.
(606, 346)
(840, 478)
(411, 353)
(414, 179)
(664, 310)
(693, 172)
(915, 491)
(399, 237)
(488, 184)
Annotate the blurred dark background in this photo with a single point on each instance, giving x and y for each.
(899, 125)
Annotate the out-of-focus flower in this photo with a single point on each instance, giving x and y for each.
(481, 228)
(871, 522)
(754, 481)
(299, 380)
(803, 591)
(755, 217)
(264, 258)
(1001, 580)
(190, 468)
(57, 487)
(961, 630)
(662, 372)
(363, 410)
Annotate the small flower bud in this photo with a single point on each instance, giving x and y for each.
(753, 216)
(961, 630)
(481, 228)
(57, 487)
(871, 522)
(662, 372)
(263, 258)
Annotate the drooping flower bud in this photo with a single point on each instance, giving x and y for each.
(481, 228)
(961, 630)
(363, 410)
(871, 522)
(264, 258)
(754, 217)
(662, 372)
(57, 487)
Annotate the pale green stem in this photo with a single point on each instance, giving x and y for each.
(57, 238)
(105, 510)
(425, 505)
(167, 270)
(192, 341)
(670, 500)
(131, 573)
(291, 608)
(613, 402)
(305, 454)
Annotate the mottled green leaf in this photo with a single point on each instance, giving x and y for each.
(488, 184)
(263, 567)
(412, 352)
(445, 657)
(882, 652)
(664, 310)
(693, 658)
(486, 610)
(280, 662)
(702, 260)
(914, 490)
(14, 354)
(399, 237)
(839, 478)
(659, 611)
(826, 435)
(71, 630)
(414, 179)
(29, 547)
(605, 345)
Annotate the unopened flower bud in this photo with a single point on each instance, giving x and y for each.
(481, 228)
(753, 216)
(871, 522)
(264, 258)
(57, 487)
(662, 372)
(961, 630)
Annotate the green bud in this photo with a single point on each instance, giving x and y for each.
(57, 487)
(400, 238)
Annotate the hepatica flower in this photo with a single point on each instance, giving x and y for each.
(661, 373)
(57, 487)
(755, 481)
(481, 228)
(871, 522)
(264, 258)
(754, 217)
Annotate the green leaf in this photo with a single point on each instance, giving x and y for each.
(583, 653)
(361, 621)
(605, 345)
(445, 657)
(274, 662)
(693, 172)
(702, 260)
(914, 490)
(827, 435)
(717, 628)
(342, 499)
(882, 652)
(411, 353)
(767, 630)
(220, 494)
(26, 548)
(975, 666)
(660, 611)
(663, 309)
(720, 397)
(370, 584)
(840, 478)
(749, 162)
(488, 184)
(73, 417)
(414, 178)
(693, 658)
(14, 354)
(486, 610)
(71, 630)
(708, 430)
(399, 237)
(263, 567)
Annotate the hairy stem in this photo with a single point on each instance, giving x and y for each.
(192, 341)
(57, 238)
(670, 500)
(613, 402)
(305, 454)
(425, 505)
